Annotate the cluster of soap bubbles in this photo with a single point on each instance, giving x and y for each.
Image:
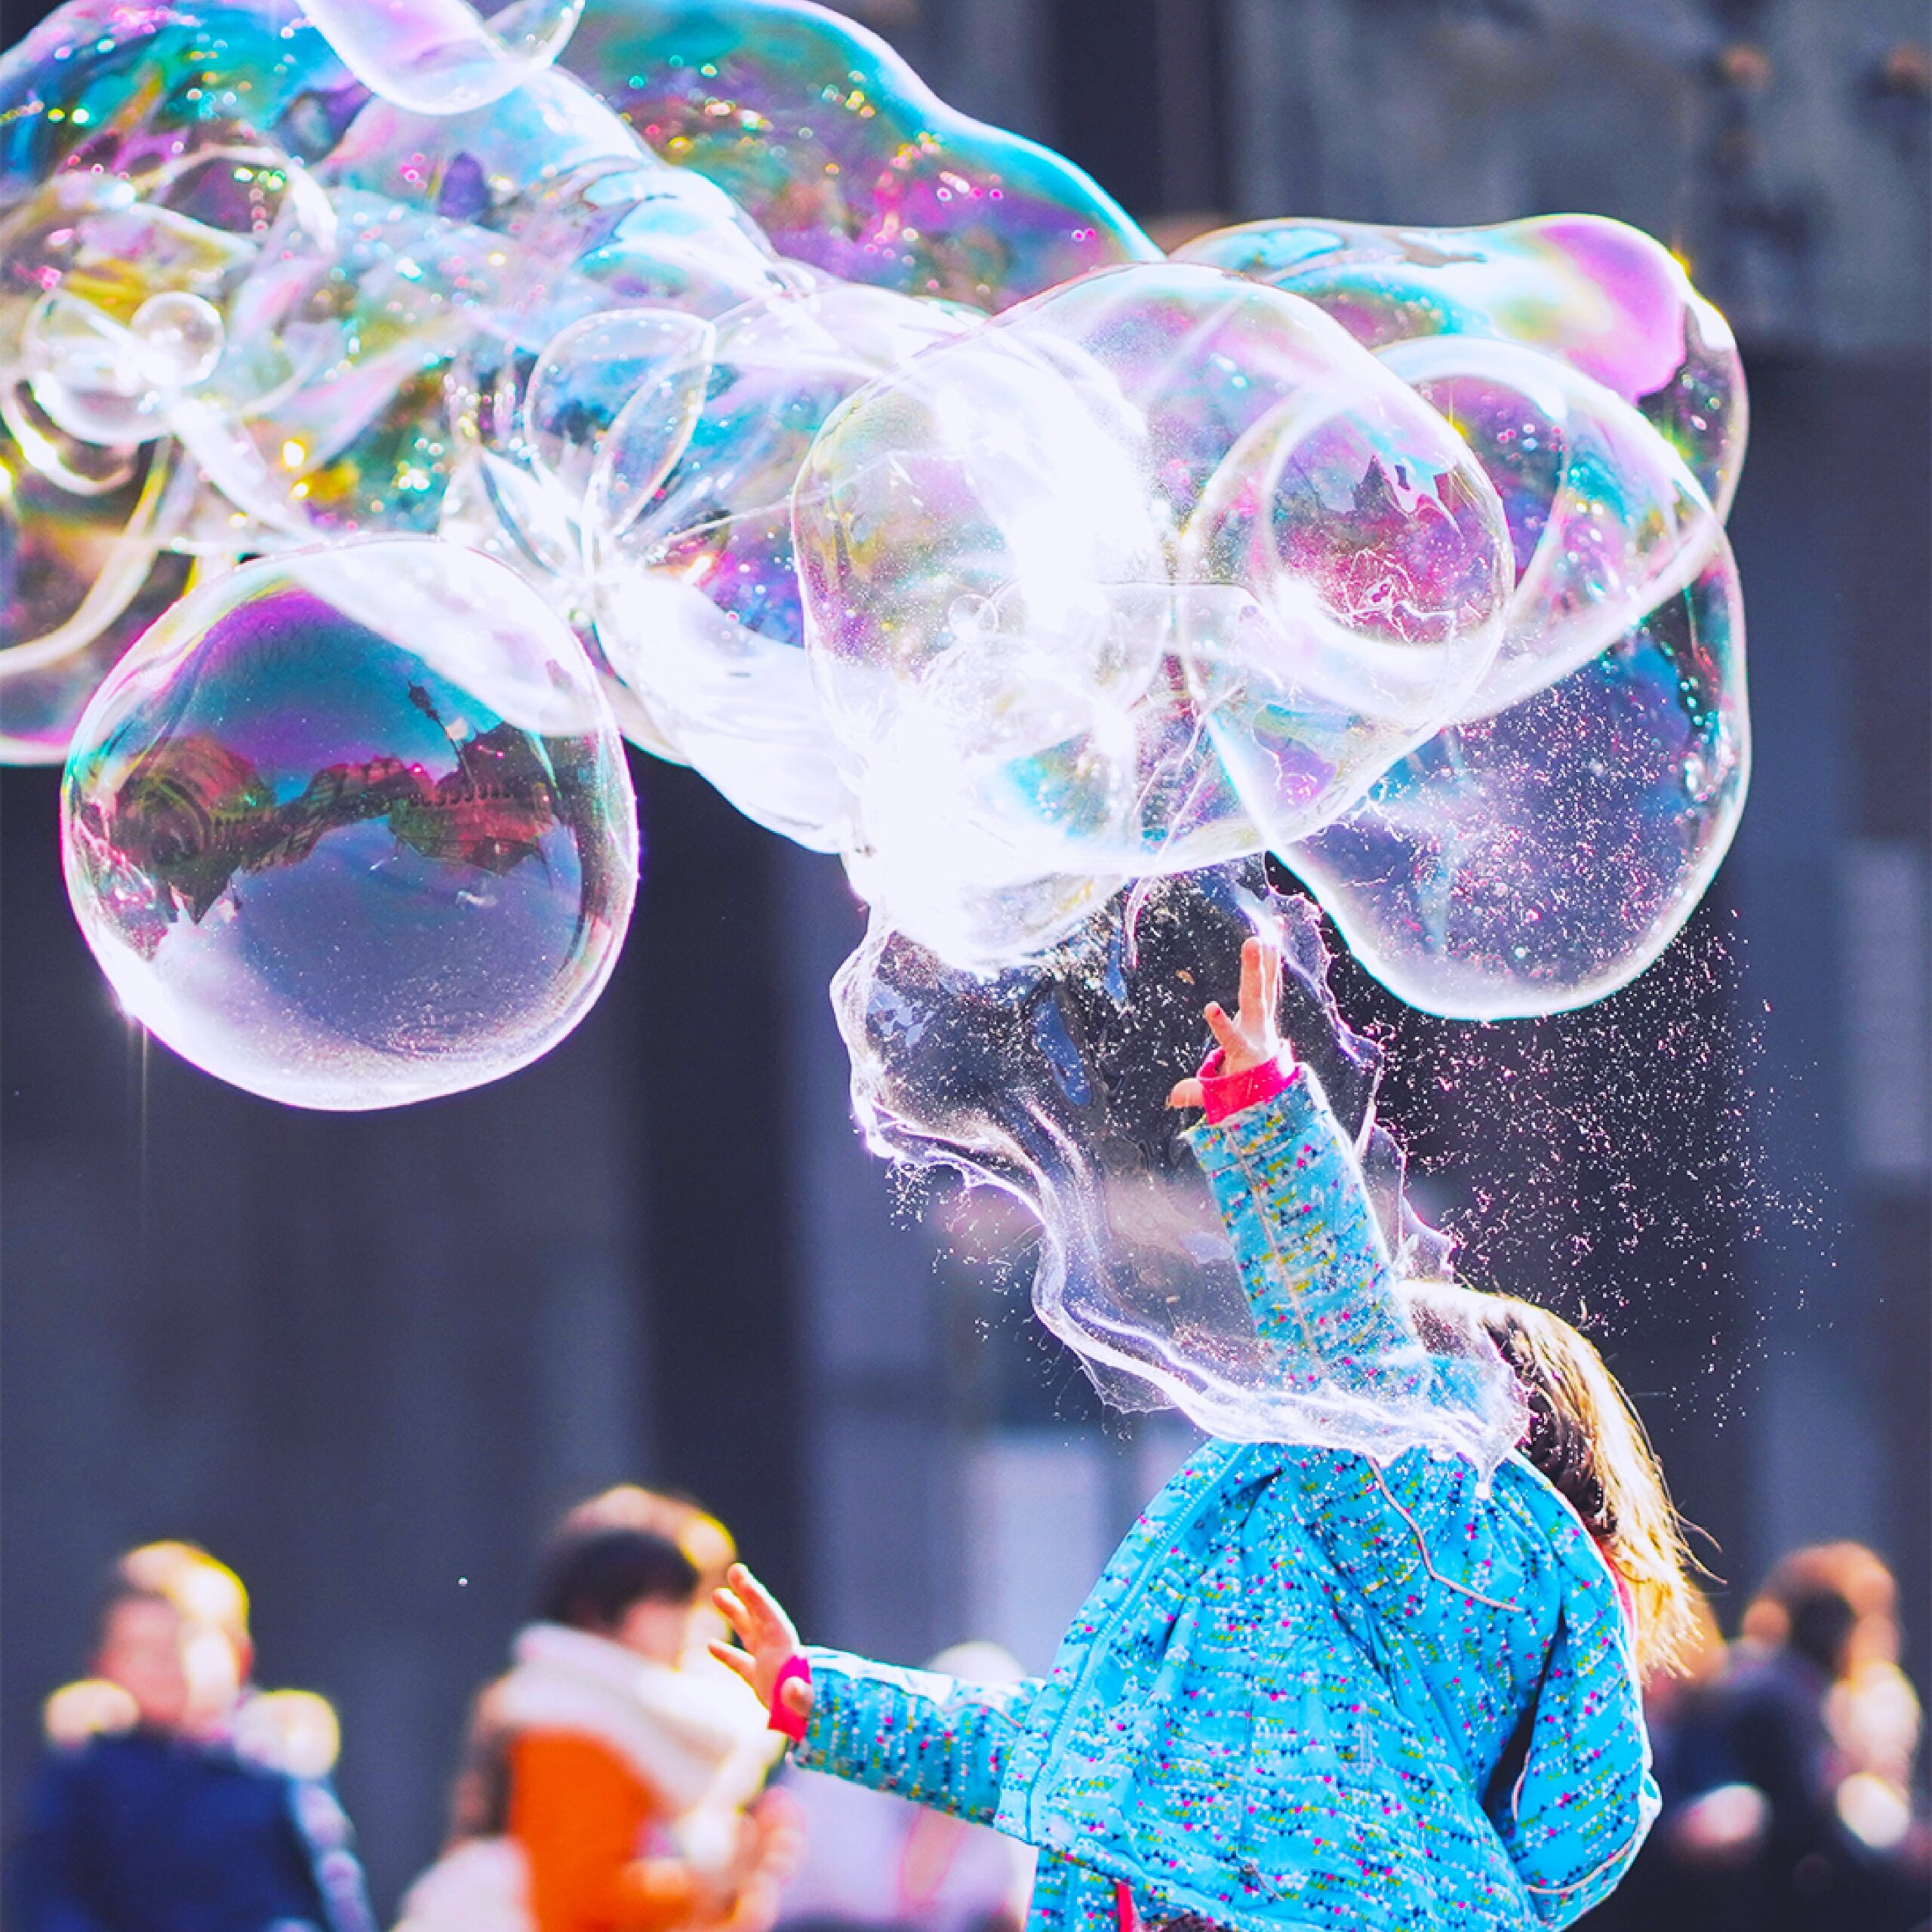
(863, 457)
(397, 406)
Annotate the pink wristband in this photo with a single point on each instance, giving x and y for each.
(780, 1718)
(1225, 1093)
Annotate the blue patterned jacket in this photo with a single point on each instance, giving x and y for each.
(1310, 1690)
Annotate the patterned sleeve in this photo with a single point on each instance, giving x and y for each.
(936, 1740)
(1305, 1236)
(1579, 1809)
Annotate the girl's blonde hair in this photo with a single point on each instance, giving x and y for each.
(1585, 1437)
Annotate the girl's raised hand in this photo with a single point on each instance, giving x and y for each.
(1253, 1036)
(770, 1641)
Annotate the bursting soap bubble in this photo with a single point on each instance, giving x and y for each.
(1047, 1083)
(352, 827)
(1547, 845)
(397, 403)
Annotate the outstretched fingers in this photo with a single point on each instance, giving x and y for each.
(1253, 1036)
(1260, 986)
(1253, 973)
(1227, 1032)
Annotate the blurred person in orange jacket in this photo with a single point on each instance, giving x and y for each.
(613, 1774)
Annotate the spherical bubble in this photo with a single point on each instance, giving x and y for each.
(180, 336)
(1606, 299)
(1153, 569)
(86, 373)
(1539, 859)
(351, 827)
(438, 57)
(722, 522)
(1045, 1086)
(1605, 522)
(90, 369)
(842, 154)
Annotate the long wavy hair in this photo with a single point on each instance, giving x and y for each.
(1584, 1436)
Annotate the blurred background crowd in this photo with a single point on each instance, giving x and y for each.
(615, 1778)
(372, 1361)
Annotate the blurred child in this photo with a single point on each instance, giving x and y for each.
(610, 1787)
(1815, 1721)
(1312, 1689)
(170, 1799)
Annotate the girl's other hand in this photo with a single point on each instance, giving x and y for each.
(1253, 1036)
(770, 1641)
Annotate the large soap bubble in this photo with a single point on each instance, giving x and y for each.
(1340, 541)
(1048, 1083)
(698, 609)
(1604, 297)
(351, 828)
(1542, 857)
(843, 155)
(1154, 570)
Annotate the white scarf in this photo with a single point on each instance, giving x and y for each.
(696, 1736)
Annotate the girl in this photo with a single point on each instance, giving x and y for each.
(1311, 1689)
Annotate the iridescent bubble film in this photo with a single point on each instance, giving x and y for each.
(1605, 522)
(1155, 569)
(1520, 862)
(1607, 299)
(438, 56)
(83, 572)
(843, 155)
(351, 827)
(868, 459)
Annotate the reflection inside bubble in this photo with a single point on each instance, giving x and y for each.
(319, 862)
